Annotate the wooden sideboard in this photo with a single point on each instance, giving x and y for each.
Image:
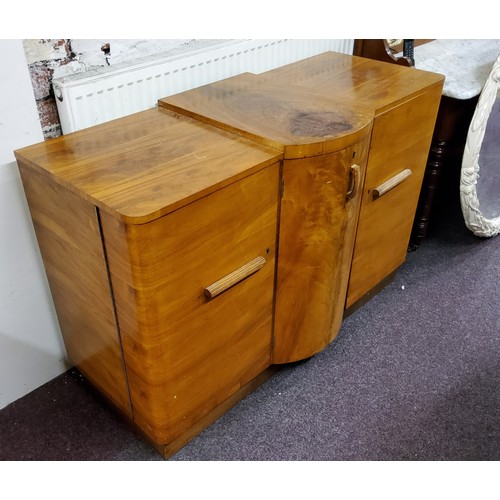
(193, 247)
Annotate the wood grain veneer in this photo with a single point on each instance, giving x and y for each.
(401, 139)
(68, 234)
(317, 229)
(148, 164)
(113, 195)
(376, 85)
(186, 354)
(405, 103)
(298, 122)
(319, 138)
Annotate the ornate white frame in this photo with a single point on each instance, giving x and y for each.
(474, 219)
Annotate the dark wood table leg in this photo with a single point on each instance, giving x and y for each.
(441, 182)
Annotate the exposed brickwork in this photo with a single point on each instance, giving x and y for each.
(49, 117)
(41, 76)
(54, 53)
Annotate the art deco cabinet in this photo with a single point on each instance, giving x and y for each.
(192, 247)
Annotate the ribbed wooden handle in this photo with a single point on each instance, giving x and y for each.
(354, 182)
(391, 183)
(231, 279)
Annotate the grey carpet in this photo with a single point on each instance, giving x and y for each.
(413, 375)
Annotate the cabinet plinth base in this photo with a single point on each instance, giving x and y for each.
(169, 450)
(368, 296)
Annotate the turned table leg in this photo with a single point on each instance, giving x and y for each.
(442, 175)
(430, 184)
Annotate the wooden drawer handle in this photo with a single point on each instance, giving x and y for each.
(231, 279)
(354, 181)
(386, 186)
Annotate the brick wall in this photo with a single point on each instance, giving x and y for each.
(46, 58)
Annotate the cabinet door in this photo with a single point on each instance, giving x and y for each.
(185, 353)
(397, 158)
(317, 226)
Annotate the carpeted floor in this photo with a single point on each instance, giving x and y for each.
(413, 375)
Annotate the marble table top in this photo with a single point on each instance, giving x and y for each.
(466, 64)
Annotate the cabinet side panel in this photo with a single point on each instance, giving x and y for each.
(67, 230)
(401, 140)
(317, 229)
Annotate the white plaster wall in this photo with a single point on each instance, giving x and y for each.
(90, 54)
(31, 350)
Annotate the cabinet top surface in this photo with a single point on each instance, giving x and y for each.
(148, 164)
(297, 121)
(378, 85)
(145, 165)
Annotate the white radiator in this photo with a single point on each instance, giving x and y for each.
(101, 95)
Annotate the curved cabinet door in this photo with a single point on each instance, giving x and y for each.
(186, 351)
(319, 212)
